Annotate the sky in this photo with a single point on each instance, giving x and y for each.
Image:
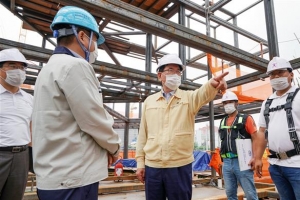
(287, 22)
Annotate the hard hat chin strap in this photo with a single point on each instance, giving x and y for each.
(86, 51)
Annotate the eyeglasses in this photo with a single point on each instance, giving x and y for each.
(15, 66)
(172, 71)
(277, 72)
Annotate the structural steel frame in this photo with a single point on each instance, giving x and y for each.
(122, 84)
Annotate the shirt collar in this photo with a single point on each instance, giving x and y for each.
(65, 50)
(166, 94)
(3, 90)
(75, 54)
(177, 93)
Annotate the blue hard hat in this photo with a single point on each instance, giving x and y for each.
(76, 16)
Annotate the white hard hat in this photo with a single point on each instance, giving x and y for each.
(278, 63)
(170, 59)
(12, 55)
(228, 96)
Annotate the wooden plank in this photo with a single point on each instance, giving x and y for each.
(201, 181)
(120, 178)
(261, 193)
(260, 185)
(30, 196)
(116, 188)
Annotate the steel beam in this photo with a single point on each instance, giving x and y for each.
(111, 55)
(104, 24)
(227, 12)
(22, 18)
(116, 114)
(257, 75)
(148, 22)
(194, 59)
(218, 5)
(42, 55)
(125, 33)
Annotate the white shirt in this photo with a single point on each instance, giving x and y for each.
(15, 117)
(278, 135)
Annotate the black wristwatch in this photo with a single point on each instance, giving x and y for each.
(116, 152)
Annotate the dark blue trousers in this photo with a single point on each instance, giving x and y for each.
(88, 192)
(172, 183)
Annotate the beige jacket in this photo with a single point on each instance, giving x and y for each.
(72, 132)
(166, 135)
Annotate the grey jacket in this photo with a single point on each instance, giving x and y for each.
(72, 132)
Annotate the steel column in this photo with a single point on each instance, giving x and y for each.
(126, 131)
(148, 54)
(271, 28)
(211, 103)
(182, 49)
(236, 44)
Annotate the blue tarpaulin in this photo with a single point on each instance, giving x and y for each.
(200, 163)
(130, 163)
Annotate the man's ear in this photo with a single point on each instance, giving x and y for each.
(80, 35)
(159, 76)
(236, 104)
(292, 76)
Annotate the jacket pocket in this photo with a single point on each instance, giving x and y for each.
(182, 145)
(152, 149)
(234, 134)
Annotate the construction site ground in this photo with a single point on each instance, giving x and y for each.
(128, 187)
(200, 191)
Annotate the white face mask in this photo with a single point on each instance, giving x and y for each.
(93, 55)
(229, 108)
(280, 83)
(15, 77)
(173, 81)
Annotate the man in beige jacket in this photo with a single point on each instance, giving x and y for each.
(165, 142)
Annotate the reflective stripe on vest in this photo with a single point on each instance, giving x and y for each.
(240, 120)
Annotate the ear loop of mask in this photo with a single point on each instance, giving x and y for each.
(86, 51)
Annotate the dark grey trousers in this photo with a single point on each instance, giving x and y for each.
(13, 174)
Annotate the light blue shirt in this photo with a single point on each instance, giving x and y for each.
(15, 117)
(168, 95)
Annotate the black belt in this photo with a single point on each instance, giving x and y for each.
(14, 149)
(283, 155)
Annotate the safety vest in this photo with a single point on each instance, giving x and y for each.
(228, 134)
